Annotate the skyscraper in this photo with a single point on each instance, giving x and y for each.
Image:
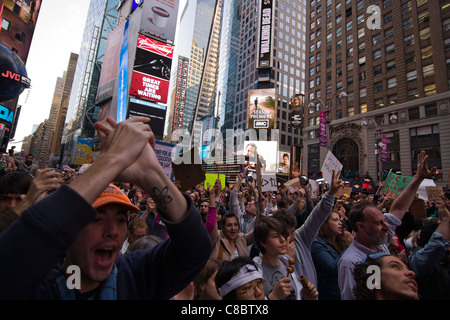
(391, 58)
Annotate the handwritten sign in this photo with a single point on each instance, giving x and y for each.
(434, 194)
(395, 183)
(331, 163)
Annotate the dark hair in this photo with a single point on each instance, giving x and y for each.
(228, 270)
(263, 227)
(145, 242)
(360, 274)
(429, 227)
(357, 213)
(15, 182)
(226, 216)
(286, 217)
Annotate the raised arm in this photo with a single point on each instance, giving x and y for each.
(403, 201)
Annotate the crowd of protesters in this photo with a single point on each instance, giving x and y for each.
(135, 234)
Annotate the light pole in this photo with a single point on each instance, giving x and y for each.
(312, 108)
(379, 139)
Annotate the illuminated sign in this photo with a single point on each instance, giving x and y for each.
(6, 114)
(265, 34)
(151, 71)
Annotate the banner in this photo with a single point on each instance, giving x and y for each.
(323, 129)
(123, 77)
(264, 58)
(384, 149)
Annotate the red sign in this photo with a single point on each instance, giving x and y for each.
(149, 87)
(151, 71)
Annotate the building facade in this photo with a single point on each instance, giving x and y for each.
(391, 59)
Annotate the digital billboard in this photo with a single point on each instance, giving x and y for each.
(151, 71)
(261, 112)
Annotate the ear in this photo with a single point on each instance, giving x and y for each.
(360, 225)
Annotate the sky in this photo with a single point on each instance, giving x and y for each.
(59, 31)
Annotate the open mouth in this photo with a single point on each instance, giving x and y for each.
(104, 256)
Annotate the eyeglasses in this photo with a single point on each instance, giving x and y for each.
(251, 290)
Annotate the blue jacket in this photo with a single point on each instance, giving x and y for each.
(326, 259)
(34, 245)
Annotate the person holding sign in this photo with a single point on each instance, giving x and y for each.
(374, 230)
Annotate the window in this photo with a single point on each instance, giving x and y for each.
(361, 33)
(362, 92)
(390, 65)
(363, 108)
(388, 17)
(413, 94)
(379, 103)
(377, 70)
(408, 40)
(390, 48)
(426, 52)
(350, 66)
(407, 24)
(411, 76)
(406, 7)
(377, 54)
(410, 58)
(376, 39)
(424, 17)
(389, 33)
(350, 111)
(392, 83)
(428, 70)
(378, 87)
(431, 110)
(362, 61)
(392, 99)
(430, 90)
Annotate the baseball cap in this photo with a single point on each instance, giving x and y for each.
(112, 194)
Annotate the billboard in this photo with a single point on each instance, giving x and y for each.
(267, 156)
(110, 65)
(297, 102)
(264, 57)
(284, 162)
(180, 93)
(156, 113)
(83, 152)
(159, 19)
(261, 109)
(151, 71)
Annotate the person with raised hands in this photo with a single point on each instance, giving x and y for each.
(374, 230)
(66, 245)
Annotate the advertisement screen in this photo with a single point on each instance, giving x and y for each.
(159, 19)
(264, 149)
(151, 71)
(156, 113)
(261, 109)
(284, 160)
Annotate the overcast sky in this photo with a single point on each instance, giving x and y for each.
(58, 32)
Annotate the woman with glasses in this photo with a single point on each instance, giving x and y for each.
(240, 279)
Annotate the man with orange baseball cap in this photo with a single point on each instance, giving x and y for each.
(66, 246)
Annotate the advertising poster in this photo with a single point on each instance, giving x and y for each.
(284, 162)
(151, 71)
(267, 156)
(262, 109)
(83, 151)
(265, 34)
(110, 65)
(159, 19)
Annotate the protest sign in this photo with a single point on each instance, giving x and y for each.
(434, 194)
(331, 163)
(211, 179)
